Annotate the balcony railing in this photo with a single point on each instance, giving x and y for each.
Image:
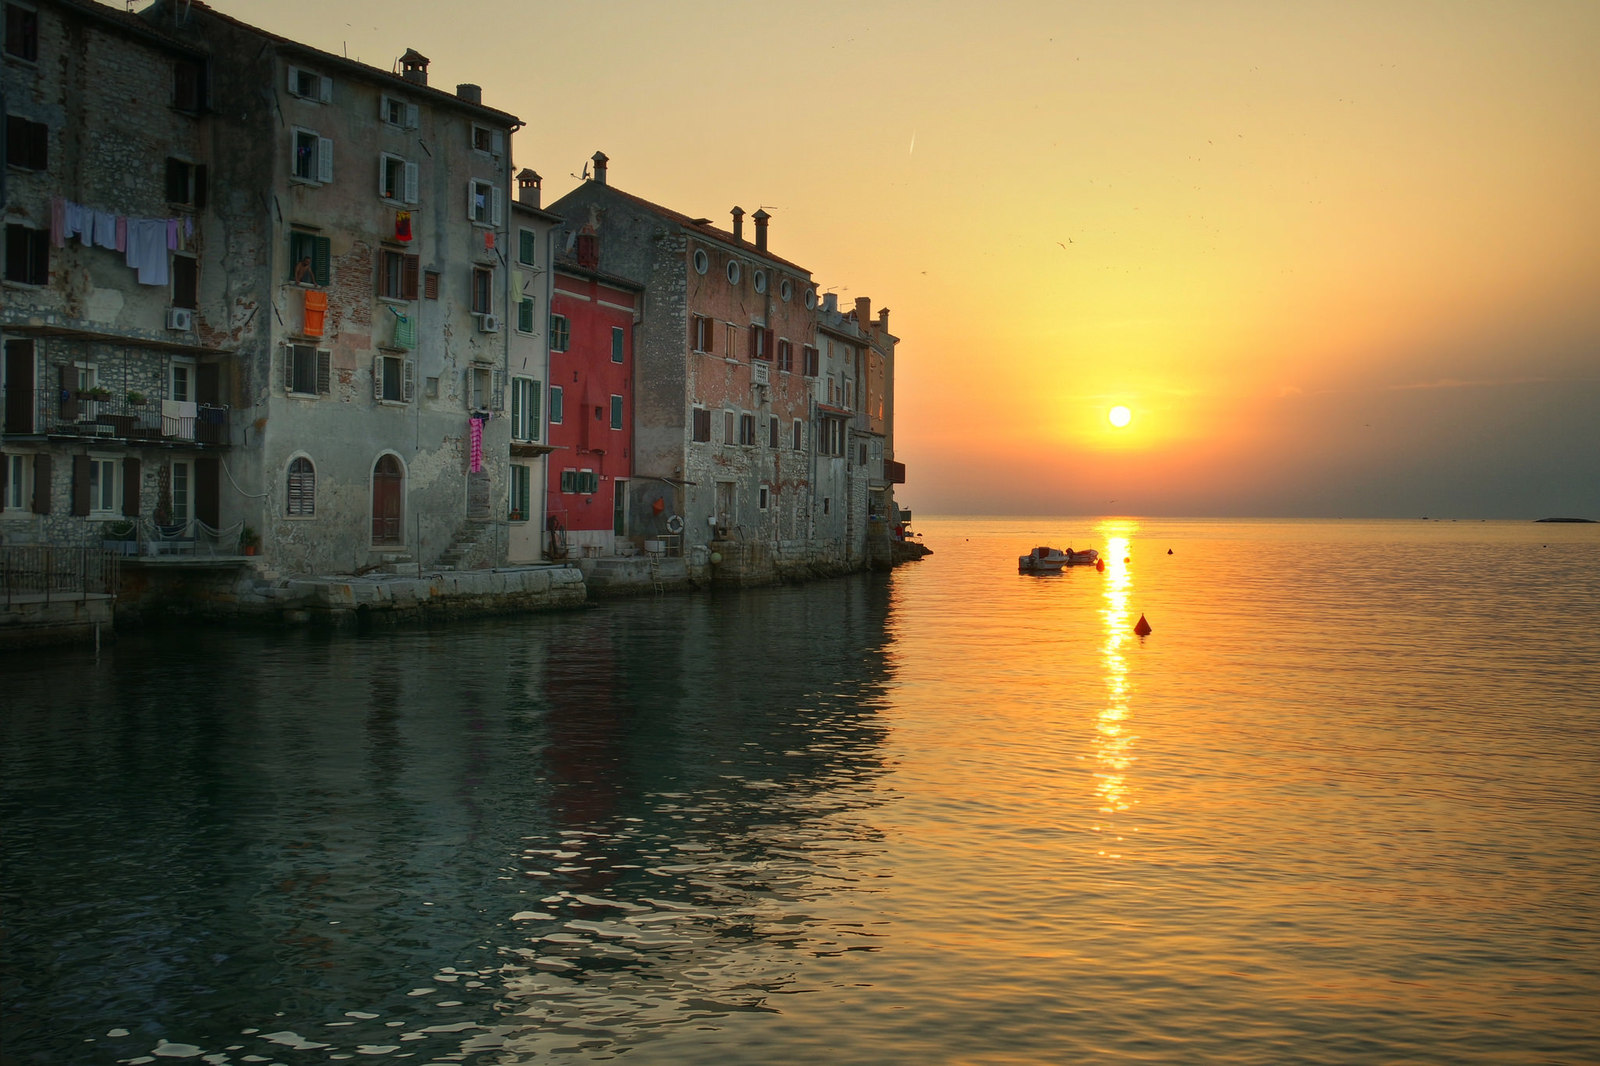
(192, 538)
(31, 572)
(63, 413)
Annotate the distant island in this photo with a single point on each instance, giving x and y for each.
(1590, 520)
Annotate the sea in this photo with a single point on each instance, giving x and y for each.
(1341, 804)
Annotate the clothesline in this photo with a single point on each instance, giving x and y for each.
(144, 242)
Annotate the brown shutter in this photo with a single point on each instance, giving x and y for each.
(208, 491)
(324, 371)
(206, 388)
(200, 187)
(130, 487)
(80, 484)
(408, 277)
(69, 393)
(41, 484)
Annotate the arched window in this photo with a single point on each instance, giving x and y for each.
(302, 489)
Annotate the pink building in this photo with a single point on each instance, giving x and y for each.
(592, 320)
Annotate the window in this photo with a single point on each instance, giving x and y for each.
(560, 336)
(185, 281)
(527, 247)
(27, 254)
(830, 436)
(104, 484)
(702, 261)
(762, 497)
(701, 332)
(180, 380)
(22, 32)
(302, 502)
(811, 299)
(485, 139)
(760, 280)
(397, 112)
(760, 342)
(188, 85)
(430, 284)
(521, 497)
(618, 336)
(308, 258)
(799, 440)
(557, 396)
(524, 409)
(733, 272)
(772, 431)
(487, 386)
(729, 421)
(17, 469)
(397, 275)
(27, 143)
(186, 183)
(309, 85)
(312, 156)
(307, 370)
(702, 424)
(785, 290)
(580, 481)
(392, 380)
(525, 312)
(812, 361)
(397, 178)
(747, 429)
(616, 411)
(785, 356)
(482, 290)
(483, 202)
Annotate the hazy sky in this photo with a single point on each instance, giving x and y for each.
(1340, 259)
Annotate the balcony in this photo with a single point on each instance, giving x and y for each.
(895, 472)
(64, 413)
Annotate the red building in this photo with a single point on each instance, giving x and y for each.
(592, 320)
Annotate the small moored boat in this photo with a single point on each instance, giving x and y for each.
(1049, 560)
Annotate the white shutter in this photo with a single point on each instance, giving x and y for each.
(325, 90)
(410, 380)
(472, 198)
(497, 142)
(411, 183)
(496, 214)
(383, 171)
(498, 387)
(324, 159)
(288, 368)
(294, 81)
(412, 119)
(383, 107)
(377, 377)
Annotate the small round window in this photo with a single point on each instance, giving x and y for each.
(760, 278)
(702, 261)
(785, 289)
(733, 272)
(811, 299)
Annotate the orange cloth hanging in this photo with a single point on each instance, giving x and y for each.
(316, 311)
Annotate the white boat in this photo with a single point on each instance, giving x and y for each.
(1049, 560)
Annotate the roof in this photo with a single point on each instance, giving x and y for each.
(438, 96)
(566, 264)
(700, 226)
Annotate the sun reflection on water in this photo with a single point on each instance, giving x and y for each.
(1114, 739)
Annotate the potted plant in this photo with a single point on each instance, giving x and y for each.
(249, 541)
(98, 392)
(137, 398)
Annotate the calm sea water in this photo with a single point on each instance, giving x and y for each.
(1341, 805)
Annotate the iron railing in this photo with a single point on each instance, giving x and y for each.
(193, 538)
(45, 572)
(69, 413)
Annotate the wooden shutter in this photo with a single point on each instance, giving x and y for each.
(200, 187)
(377, 377)
(498, 205)
(383, 174)
(472, 199)
(69, 393)
(497, 390)
(208, 490)
(409, 380)
(413, 119)
(80, 485)
(321, 258)
(409, 266)
(288, 367)
(130, 487)
(5, 479)
(410, 183)
(41, 484)
(325, 90)
(324, 371)
(177, 181)
(324, 159)
(206, 384)
(497, 142)
(294, 81)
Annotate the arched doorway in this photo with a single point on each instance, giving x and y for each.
(388, 509)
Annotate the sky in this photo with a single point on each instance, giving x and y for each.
(1338, 259)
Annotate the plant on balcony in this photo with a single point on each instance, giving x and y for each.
(137, 398)
(99, 392)
(249, 541)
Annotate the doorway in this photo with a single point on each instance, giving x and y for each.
(388, 514)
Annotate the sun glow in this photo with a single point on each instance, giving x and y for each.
(1119, 416)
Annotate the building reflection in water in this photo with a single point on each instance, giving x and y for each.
(1114, 738)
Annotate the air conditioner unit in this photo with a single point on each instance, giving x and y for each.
(760, 373)
(489, 323)
(180, 318)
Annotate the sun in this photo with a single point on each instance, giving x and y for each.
(1119, 416)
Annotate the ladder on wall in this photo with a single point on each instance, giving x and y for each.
(655, 573)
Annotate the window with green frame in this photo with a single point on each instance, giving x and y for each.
(310, 249)
(521, 497)
(525, 315)
(617, 337)
(526, 247)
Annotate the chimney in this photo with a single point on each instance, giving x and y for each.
(760, 218)
(600, 162)
(738, 223)
(883, 319)
(528, 187)
(414, 67)
(472, 94)
(830, 302)
(863, 310)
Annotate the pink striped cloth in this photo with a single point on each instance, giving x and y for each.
(475, 464)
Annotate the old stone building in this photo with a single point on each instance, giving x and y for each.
(528, 318)
(275, 298)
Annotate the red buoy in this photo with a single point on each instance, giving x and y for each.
(1143, 628)
(1100, 565)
